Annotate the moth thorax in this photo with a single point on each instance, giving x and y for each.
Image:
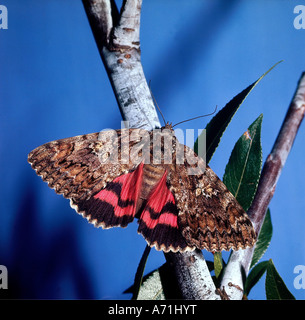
(164, 146)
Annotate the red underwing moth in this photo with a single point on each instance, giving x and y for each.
(115, 176)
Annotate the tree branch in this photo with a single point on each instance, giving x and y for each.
(193, 276)
(101, 15)
(240, 261)
(118, 42)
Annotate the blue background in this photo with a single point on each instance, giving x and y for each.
(197, 54)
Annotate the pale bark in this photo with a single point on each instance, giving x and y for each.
(193, 275)
(118, 41)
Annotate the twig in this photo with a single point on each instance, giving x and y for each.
(240, 261)
(117, 38)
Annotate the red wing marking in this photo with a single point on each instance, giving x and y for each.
(123, 192)
(115, 205)
(158, 221)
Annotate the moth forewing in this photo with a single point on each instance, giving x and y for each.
(108, 148)
(124, 143)
(196, 165)
(201, 145)
(178, 147)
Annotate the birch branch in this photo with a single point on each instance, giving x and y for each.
(118, 40)
(240, 261)
(193, 275)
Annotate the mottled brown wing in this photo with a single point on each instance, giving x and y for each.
(73, 168)
(209, 215)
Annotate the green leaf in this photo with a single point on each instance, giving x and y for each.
(140, 272)
(264, 239)
(275, 286)
(244, 167)
(217, 263)
(255, 274)
(217, 126)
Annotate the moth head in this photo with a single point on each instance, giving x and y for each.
(168, 126)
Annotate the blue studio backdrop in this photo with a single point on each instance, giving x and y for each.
(197, 54)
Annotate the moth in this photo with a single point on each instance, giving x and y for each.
(115, 176)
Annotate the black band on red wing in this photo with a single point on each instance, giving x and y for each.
(103, 213)
(114, 205)
(169, 207)
(164, 237)
(158, 222)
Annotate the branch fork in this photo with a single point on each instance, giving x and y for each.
(118, 40)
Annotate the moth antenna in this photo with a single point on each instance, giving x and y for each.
(206, 115)
(156, 104)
